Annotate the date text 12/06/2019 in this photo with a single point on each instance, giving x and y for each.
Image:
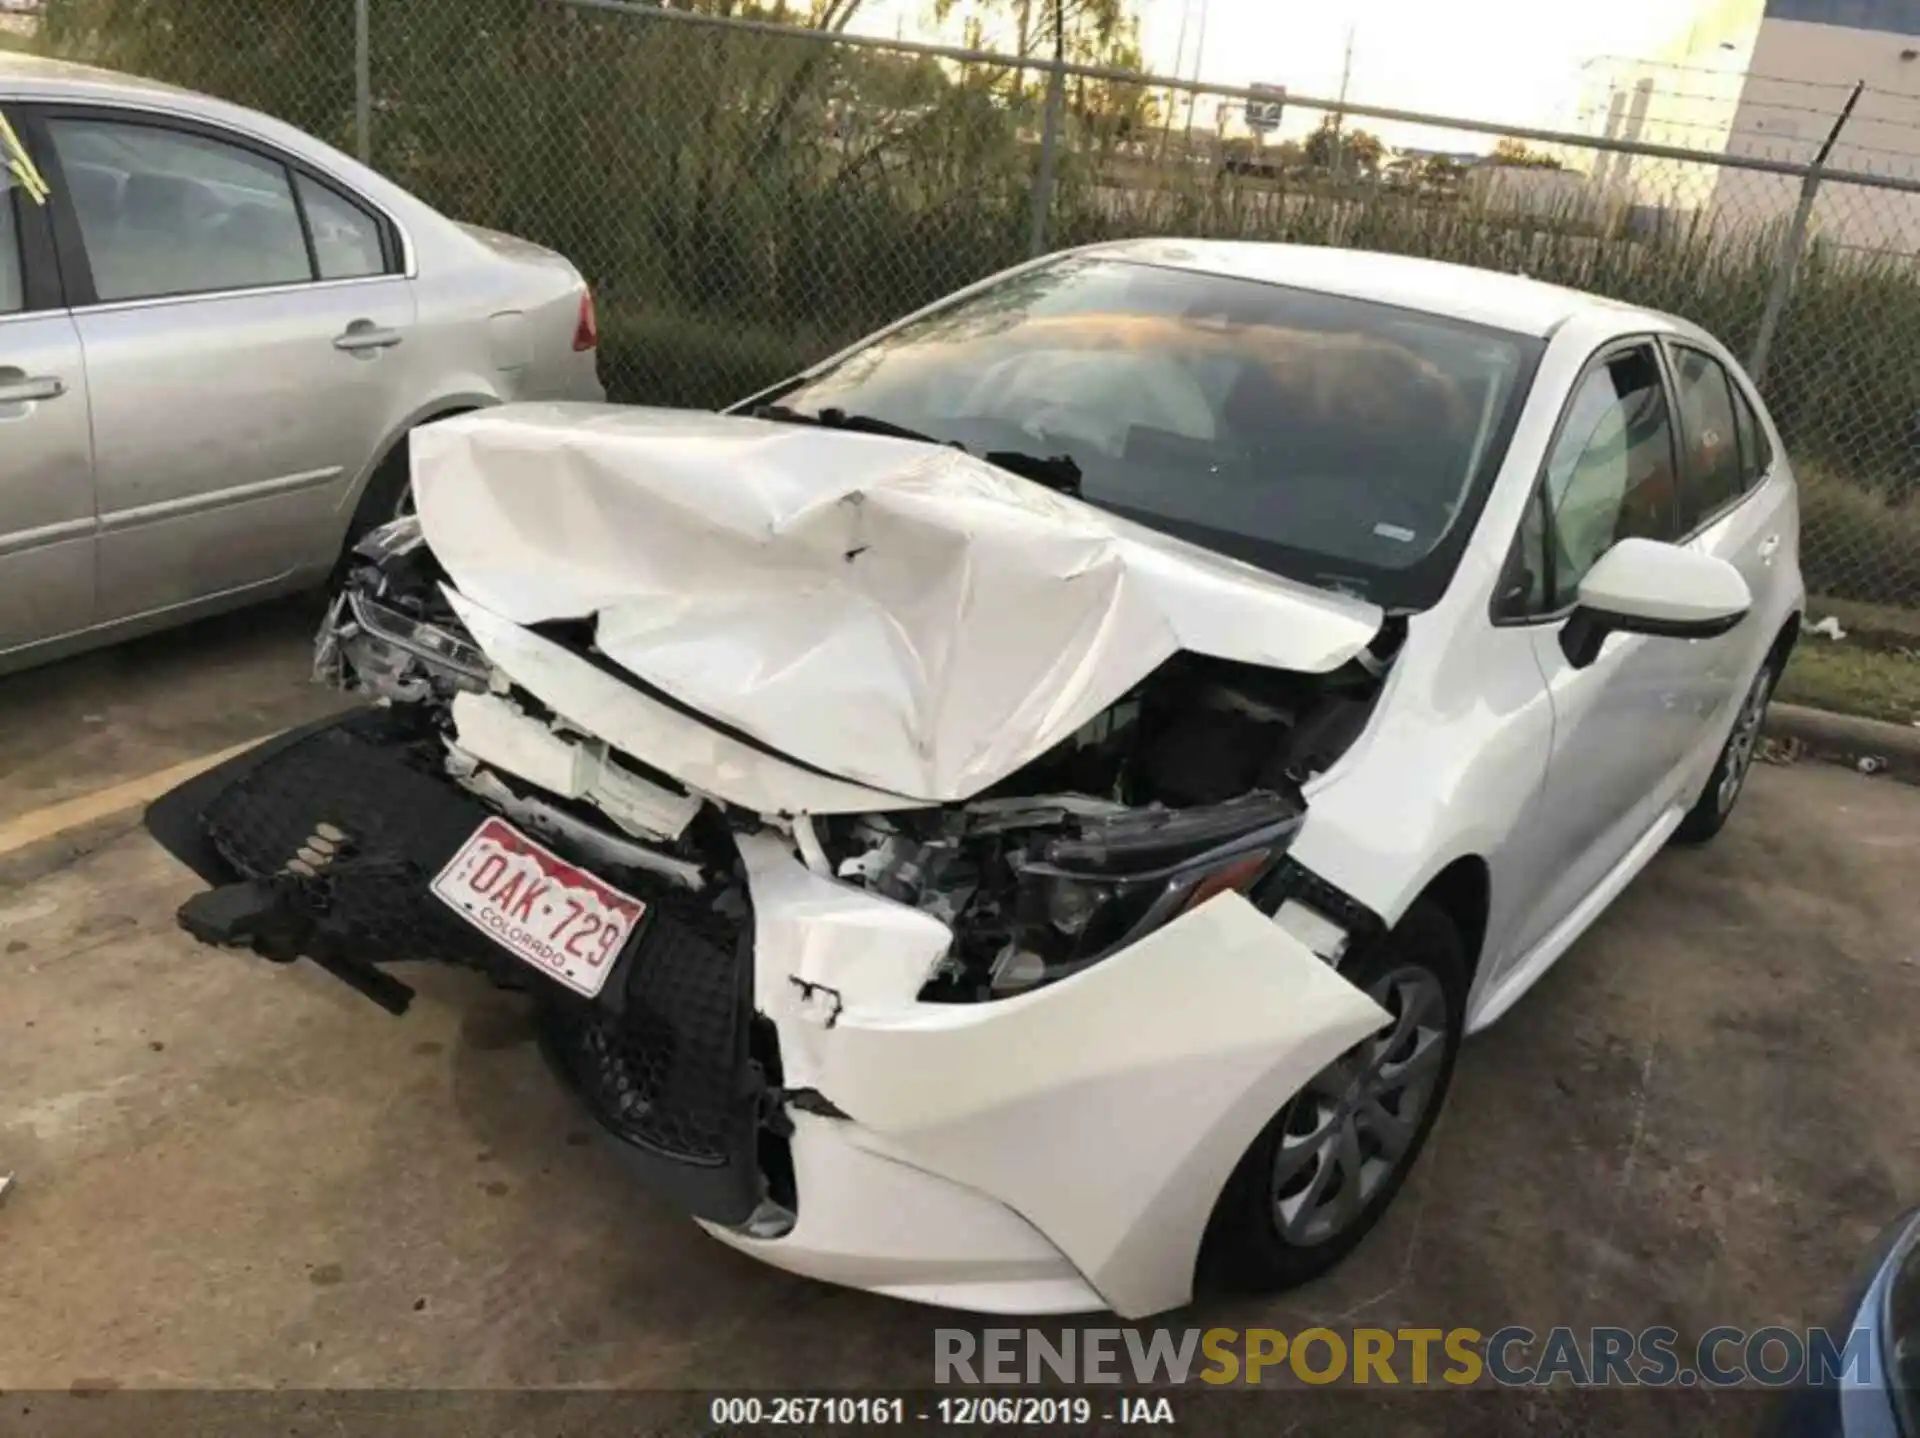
(880, 1411)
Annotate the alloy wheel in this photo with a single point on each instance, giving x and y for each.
(1744, 740)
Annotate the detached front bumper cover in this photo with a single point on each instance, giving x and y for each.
(321, 844)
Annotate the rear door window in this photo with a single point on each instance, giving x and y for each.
(165, 212)
(1709, 435)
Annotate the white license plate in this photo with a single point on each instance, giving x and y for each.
(537, 906)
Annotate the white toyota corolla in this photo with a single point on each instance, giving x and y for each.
(1023, 815)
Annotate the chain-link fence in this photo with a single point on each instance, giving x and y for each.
(747, 196)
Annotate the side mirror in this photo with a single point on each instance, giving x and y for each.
(1643, 586)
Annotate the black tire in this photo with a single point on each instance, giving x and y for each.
(1246, 1249)
(383, 498)
(1711, 810)
(387, 496)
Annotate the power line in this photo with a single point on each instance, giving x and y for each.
(1736, 114)
(1843, 86)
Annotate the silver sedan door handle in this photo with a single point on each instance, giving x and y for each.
(362, 335)
(30, 388)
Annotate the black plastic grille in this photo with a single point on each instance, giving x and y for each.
(660, 1057)
(670, 1070)
(402, 825)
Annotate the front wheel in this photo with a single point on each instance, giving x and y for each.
(1322, 1173)
(1710, 812)
(388, 495)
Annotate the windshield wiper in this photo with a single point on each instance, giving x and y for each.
(831, 418)
(1056, 471)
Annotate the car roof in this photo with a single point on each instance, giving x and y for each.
(1460, 292)
(37, 76)
(30, 78)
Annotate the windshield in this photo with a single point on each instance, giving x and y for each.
(1339, 442)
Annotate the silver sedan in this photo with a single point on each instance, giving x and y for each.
(216, 333)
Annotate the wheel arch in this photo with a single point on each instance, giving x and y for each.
(1463, 891)
(444, 407)
(1783, 642)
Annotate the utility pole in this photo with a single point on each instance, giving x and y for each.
(1180, 45)
(362, 84)
(1179, 59)
(1050, 132)
(1023, 41)
(1340, 111)
(1199, 54)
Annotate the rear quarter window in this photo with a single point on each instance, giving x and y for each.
(346, 239)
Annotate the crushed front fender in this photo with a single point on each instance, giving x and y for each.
(1107, 1110)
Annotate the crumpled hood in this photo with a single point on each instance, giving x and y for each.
(906, 616)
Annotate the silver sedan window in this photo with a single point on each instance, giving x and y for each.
(163, 212)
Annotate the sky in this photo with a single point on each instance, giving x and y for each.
(1515, 61)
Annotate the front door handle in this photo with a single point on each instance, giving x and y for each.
(364, 335)
(29, 388)
(1769, 547)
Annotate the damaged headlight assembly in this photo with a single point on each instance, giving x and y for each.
(1089, 896)
(1042, 889)
(393, 653)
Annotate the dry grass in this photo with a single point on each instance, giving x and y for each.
(1851, 679)
(1858, 542)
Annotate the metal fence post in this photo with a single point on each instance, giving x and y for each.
(1049, 147)
(362, 83)
(1787, 262)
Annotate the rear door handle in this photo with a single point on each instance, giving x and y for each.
(363, 335)
(30, 388)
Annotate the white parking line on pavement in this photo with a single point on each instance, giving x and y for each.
(39, 824)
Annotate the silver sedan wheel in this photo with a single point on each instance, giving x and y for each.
(1356, 1120)
(1744, 740)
